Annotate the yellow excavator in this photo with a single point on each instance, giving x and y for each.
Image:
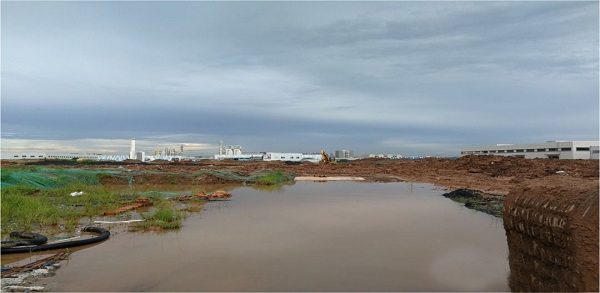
(325, 159)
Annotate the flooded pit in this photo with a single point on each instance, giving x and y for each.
(334, 236)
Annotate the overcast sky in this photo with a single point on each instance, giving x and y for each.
(412, 78)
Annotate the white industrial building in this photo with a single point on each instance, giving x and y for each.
(293, 157)
(386, 156)
(235, 153)
(344, 154)
(42, 156)
(595, 152)
(549, 149)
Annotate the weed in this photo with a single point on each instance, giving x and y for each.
(163, 217)
(26, 208)
(273, 178)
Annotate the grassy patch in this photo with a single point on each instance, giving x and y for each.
(163, 217)
(28, 208)
(273, 178)
(40, 199)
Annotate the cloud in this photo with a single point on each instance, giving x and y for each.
(301, 75)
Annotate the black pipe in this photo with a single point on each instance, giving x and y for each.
(104, 234)
(27, 239)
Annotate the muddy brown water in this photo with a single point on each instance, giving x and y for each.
(334, 236)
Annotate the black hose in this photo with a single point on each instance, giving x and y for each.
(26, 239)
(104, 234)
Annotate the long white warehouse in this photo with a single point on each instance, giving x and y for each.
(550, 149)
(293, 157)
(41, 156)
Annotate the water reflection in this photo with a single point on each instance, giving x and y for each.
(335, 236)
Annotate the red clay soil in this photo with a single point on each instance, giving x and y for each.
(552, 231)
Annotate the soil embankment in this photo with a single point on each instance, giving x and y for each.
(552, 231)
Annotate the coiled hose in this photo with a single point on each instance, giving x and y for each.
(103, 235)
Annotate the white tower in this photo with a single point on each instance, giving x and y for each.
(132, 154)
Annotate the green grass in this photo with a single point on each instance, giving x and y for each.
(28, 208)
(273, 178)
(163, 217)
(38, 199)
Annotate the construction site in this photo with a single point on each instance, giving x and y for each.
(549, 207)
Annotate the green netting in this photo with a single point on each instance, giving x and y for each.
(39, 177)
(48, 177)
(164, 193)
(229, 175)
(266, 177)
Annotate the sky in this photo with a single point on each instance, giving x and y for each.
(394, 77)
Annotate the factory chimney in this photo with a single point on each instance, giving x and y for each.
(132, 154)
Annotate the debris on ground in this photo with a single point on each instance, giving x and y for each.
(118, 222)
(76, 193)
(474, 199)
(18, 279)
(140, 202)
(219, 195)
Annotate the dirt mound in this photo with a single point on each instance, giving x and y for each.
(552, 230)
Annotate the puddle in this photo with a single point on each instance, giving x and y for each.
(334, 236)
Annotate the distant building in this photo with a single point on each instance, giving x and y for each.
(132, 154)
(386, 156)
(117, 158)
(23, 156)
(235, 153)
(594, 152)
(344, 154)
(294, 157)
(549, 149)
(42, 156)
